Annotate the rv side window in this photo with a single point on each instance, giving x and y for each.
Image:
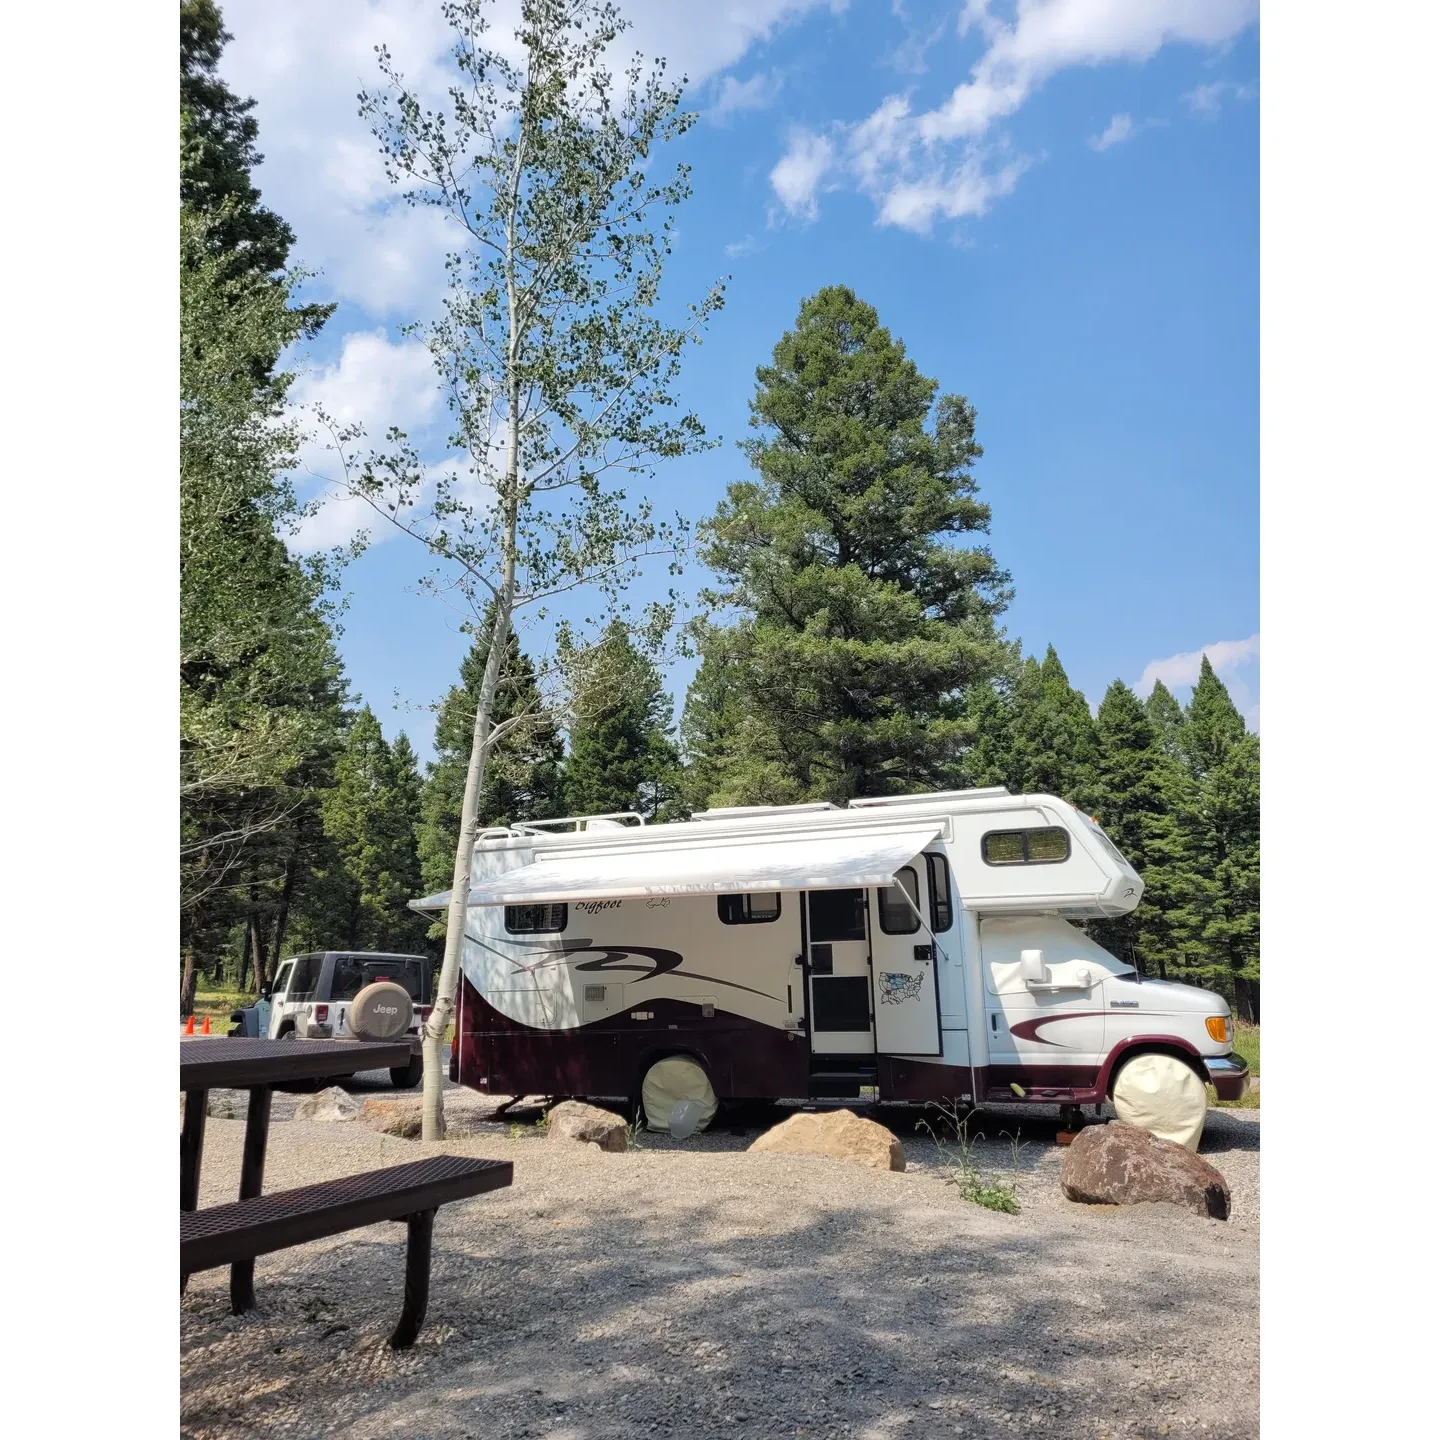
(757, 909)
(942, 912)
(897, 915)
(535, 919)
(1025, 847)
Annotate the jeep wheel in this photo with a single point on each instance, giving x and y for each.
(407, 1077)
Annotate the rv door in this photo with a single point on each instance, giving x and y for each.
(907, 1000)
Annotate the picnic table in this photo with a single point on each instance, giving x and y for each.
(234, 1234)
(227, 1062)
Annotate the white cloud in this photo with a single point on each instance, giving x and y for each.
(304, 64)
(1206, 100)
(797, 176)
(1236, 662)
(904, 159)
(375, 383)
(1121, 127)
(738, 249)
(732, 95)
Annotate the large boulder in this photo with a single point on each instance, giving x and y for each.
(327, 1106)
(393, 1117)
(1121, 1164)
(570, 1120)
(838, 1134)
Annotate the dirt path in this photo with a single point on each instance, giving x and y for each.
(699, 1291)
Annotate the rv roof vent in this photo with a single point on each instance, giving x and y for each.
(754, 812)
(987, 792)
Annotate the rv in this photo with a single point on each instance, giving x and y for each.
(908, 949)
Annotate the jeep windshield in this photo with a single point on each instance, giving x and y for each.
(354, 972)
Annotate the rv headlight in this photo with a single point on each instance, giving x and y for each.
(1219, 1028)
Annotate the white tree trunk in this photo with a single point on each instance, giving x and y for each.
(432, 1044)
(432, 1105)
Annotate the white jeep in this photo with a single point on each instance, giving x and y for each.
(345, 995)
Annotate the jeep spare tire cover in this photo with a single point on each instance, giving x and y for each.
(1164, 1096)
(381, 1011)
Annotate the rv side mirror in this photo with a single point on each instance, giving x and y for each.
(1032, 967)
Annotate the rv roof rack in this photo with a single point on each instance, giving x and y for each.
(747, 812)
(610, 820)
(984, 792)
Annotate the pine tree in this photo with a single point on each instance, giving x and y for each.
(862, 621)
(1223, 761)
(522, 775)
(1033, 735)
(1132, 793)
(369, 815)
(217, 155)
(1166, 719)
(621, 755)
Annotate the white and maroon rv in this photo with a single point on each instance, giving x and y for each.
(896, 950)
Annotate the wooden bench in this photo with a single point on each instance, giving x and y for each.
(238, 1232)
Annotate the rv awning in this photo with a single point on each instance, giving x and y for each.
(749, 862)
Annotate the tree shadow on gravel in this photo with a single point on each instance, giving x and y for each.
(602, 1312)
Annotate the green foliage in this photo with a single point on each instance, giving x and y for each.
(621, 755)
(371, 815)
(860, 622)
(217, 155)
(956, 1152)
(523, 770)
(260, 683)
(1222, 827)
(1034, 734)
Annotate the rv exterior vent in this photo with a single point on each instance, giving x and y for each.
(595, 994)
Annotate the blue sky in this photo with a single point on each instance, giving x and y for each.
(1055, 206)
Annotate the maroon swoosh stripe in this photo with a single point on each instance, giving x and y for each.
(1028, 1029)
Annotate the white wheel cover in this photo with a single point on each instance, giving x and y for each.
(667, 1083)
(1164, 1096)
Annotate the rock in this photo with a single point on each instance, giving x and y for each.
(393, 1117)
(839, 1134)
(327, 1106)
(570, 1120)
(1121, 1164)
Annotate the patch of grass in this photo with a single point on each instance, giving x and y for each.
(957, 1159)
(1247, 1047)
(218, 1004)
(632, 1135)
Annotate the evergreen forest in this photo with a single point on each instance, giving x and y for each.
(850, 643)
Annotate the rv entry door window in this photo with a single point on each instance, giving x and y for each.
(839, 973)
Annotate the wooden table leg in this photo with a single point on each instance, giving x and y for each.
(252, 1181)
(417, 1279)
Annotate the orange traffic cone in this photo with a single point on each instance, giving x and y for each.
(190, 1026)
(205, 1026)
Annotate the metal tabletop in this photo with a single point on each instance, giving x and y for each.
(219, 1061)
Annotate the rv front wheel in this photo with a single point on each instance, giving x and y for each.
(1162, 1095)
(667, 1083)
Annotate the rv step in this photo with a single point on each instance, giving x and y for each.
(841, 1084)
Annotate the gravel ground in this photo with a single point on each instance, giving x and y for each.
(693, 1290)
